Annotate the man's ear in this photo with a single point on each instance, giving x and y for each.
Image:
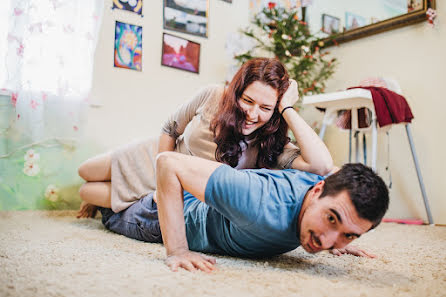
(318, 188)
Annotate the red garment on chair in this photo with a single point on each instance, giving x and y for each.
(390, 107)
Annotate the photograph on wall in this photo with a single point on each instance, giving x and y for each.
(128, 46)
(129, 5)
(187, 16)
(330, 24)
(353, 21)
(229, 1)
(180, 53)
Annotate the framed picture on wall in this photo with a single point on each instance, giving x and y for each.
(180, 53)
(187, 16)
(128, 46)
(353, 21)
(330, 24)
(129, 5)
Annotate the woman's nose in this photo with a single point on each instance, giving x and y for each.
(253, 113)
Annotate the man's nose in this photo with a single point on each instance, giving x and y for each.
(328, 240)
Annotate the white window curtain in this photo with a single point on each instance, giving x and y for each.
(48, 64)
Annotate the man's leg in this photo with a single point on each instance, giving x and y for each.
(175, 172)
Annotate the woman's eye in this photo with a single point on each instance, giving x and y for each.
(331, 219)
(246, 100)
(266, 108)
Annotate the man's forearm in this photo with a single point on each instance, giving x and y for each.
(170, 209)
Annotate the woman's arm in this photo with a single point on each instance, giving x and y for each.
(315, 157)
(166, 143)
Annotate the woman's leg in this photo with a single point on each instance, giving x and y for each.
(97, 191)
(94, 194)
(96, 169)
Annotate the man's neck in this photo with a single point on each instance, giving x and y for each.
(305, 203)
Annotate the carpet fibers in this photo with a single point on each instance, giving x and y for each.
(51, 253)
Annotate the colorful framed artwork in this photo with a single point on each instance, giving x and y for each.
(180, 53)
(129, 5)
(353, 21)
(330, 24)
(128, 46)
(187, 16)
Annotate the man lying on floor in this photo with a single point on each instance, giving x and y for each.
(250, 213)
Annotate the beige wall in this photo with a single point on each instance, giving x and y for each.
(416, 57)
(135, 104)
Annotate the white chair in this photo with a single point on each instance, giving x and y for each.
(355, 99)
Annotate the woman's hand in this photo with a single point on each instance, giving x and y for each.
(290, 97)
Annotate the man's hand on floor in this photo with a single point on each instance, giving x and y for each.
(352, 250)
(191, 261)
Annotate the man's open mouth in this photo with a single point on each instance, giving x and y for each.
(312, 244)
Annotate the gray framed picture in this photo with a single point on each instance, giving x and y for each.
(186, 16)
(330, 24)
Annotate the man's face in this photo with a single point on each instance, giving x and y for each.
(329, 222)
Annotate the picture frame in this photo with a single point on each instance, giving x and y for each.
(330, 24)
(134, 6)
(184, 16)
(128, 46)
(180, 53)
(353, 21)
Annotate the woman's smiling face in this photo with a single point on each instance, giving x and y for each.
(258, 101)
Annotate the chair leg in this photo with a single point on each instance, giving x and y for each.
(374, 143)
(357, 146)
(364, 148)
(420, 177)
(322, 132)
(350, 132)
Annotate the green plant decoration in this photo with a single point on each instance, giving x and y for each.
(282, 34)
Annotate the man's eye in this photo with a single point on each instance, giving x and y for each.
(331, 219)
(349, 236)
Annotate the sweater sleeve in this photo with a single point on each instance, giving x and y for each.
(177, 122)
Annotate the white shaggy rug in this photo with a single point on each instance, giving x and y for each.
(44, 253)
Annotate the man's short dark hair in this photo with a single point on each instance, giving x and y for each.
(366, 189)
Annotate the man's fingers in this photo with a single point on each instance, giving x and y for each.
(335, 252)
(210, 259)
(209, 265)
(188, 266)
(173, 266)
(200, 264)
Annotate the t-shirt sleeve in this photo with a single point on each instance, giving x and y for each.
(235, 194)
(286, 158)
(177, 122)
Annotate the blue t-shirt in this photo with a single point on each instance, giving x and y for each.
(250, 213)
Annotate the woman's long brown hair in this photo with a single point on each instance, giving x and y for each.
(228, 121)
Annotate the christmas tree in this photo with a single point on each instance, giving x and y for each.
(282, 34)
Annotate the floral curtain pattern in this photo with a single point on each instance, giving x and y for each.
(49, 69)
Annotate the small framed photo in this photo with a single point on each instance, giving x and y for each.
(129, 5)
(128, 46)
(187, 16)
(180, 53)
(353, 21)
(330, 24)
